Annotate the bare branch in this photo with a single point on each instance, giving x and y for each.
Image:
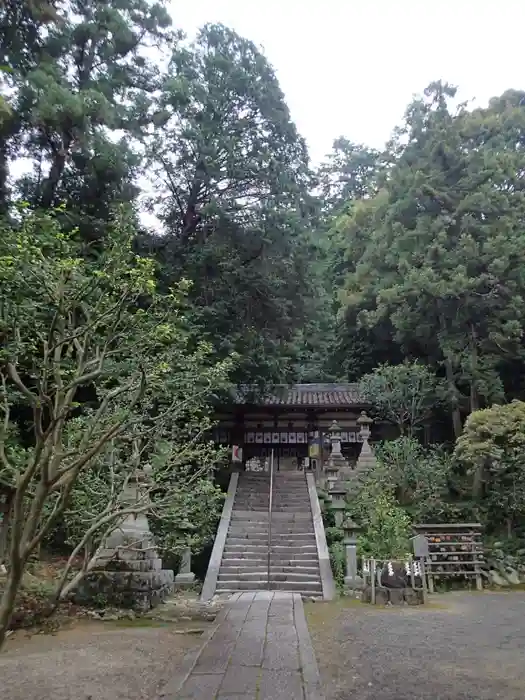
(16, 379)
(4, 427)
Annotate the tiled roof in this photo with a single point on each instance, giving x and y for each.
(344, 394)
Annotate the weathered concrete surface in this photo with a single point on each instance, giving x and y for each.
(210, 582)
(95, 661)
(463, 646)
(259, 650)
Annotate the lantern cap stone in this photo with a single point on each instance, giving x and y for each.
(364, 419)
(350, 524)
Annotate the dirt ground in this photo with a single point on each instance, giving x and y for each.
(95, 661)
(462, 646)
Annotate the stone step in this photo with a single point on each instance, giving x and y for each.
(294, 548)
(305, 595)
(258, 576)
(242, 541)
(279, 485)
(303, 506)
(277, 534)
(241, 571)
(275, 503)
(245, 554)
(276, 493)
(255, 559)
(260, 559)
(277, 525)
(253, 545)
(277, 546)
(278, 537)
(295, 586)
(290, 510)
(250, 516)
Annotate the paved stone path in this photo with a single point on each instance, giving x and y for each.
(260, 649)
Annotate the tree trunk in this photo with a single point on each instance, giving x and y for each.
(455, 412)
(7, 603)
(51, 183)
(477, 483)
(474, 395)
(451, 383)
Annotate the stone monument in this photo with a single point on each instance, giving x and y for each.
(185, 577)
(352, 579)
(128, 571)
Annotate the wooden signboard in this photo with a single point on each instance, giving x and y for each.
(454, 550)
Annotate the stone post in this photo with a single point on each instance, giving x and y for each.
(352, 579)
(185, 577)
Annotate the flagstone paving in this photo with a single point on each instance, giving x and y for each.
(260, 649)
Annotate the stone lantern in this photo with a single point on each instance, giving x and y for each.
(335, 439)
(338, 502)
(351, 533)
(364, 422)
(366, 459)
(336, 461)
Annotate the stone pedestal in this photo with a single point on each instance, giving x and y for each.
(352, 579)
(128, 571)
(393, 596)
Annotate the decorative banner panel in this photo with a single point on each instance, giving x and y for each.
(301, 437)
(284, 438)
(258, 437)
(250, 437)
(344, 437)
(352, 437)
(267, 438)
(292, 438)
(275, 438)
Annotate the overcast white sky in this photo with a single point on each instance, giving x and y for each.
(349, 67)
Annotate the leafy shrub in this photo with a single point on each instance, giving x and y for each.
(387, 529)
(418, 476)
(338, 562)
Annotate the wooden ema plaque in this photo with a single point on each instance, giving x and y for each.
(454, 550)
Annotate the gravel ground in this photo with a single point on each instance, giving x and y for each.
(461, 647)
(93, 662)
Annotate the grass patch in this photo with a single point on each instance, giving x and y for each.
(328, 613)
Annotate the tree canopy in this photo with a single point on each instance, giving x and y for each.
(164, 235)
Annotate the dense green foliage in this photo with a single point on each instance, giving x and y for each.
(403, 394)
(491, 450)
(402, 269)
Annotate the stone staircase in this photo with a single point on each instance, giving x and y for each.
(294, 563)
